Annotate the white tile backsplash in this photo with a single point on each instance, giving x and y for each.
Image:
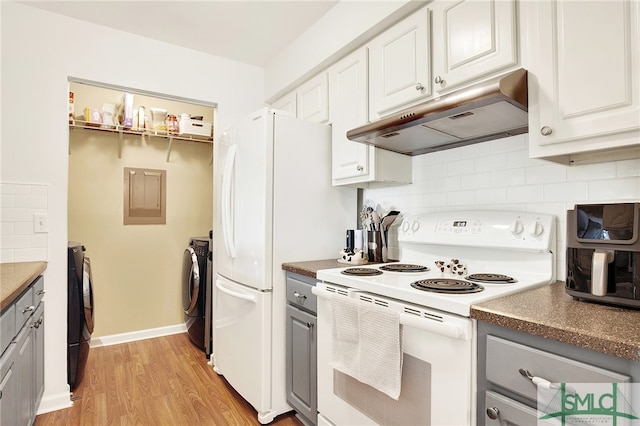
(18, 203)
(499, 175)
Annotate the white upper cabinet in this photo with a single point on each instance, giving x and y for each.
(312, 101)
(472, 39)
(355, 163)
(399, 67)
(309, 101)
(584, 84)
(348, 109)
(286, 103)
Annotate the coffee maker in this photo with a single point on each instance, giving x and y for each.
(603, 253)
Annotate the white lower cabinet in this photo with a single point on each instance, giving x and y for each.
(512, 365)
(22, 360)
(584, 90)
(355, 163)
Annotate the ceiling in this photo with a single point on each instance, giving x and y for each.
(251, 32)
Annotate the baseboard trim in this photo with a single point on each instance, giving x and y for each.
(54, 403)
(116, 339)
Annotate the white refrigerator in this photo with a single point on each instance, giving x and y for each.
(273, 203)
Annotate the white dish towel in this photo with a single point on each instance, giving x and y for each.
(367, 344)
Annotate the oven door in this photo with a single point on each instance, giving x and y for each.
(438, 375)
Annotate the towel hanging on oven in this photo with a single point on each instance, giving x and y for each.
(367, 344)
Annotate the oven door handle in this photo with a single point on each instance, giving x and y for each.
(455, 331)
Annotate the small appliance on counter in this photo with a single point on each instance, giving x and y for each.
(603, 253)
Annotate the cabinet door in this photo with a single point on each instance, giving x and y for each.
(399, 65)
(312, 99)
(25, 374)
(584, 88)
(9, 398)
(348, 109)
(301, 362)
(286, 103)
(472, 39)
(38, 355)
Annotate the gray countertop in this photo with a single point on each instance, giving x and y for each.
(546, 312)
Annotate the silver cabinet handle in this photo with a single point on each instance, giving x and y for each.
(493, 413)
(438, 80)
(41, 292)
(359, 168)
(29, 309)
(546, 131)
(310, 325)
(419, 87)
(299, 296)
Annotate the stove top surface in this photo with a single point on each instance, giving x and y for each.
(492, 253)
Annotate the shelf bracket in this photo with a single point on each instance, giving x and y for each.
(169, 148)
(120, 142)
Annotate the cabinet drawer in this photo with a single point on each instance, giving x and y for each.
(299, 294)
(7, 327)
(24, 309)
(38, 290)
(506, 358)
(508, 411)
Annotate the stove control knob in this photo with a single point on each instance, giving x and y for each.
(405, 225)
(415, 226)
(536, 229)
(516, 227)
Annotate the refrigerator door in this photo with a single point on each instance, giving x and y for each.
(242, 319)
(243, 182)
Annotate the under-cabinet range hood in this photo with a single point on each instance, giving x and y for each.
(490, 110)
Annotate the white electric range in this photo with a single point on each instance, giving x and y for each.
(448, 262)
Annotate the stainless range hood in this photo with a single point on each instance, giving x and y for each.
(491, 110)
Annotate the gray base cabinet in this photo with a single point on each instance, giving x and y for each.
(22, 360)
(301, 348)
(512, 364)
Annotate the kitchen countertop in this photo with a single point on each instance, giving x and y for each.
(15, 277)
(547, 312)
(551, 313)
(311, 267)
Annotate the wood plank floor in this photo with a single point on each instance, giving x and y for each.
(161, 381)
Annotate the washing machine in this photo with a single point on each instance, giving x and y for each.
(196, 291)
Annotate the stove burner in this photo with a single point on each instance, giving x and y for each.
(447, 285)
(491, 278)
(362, 272)
(404, 267)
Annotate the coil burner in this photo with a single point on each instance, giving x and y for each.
(403, 267)
(447, 285)
(491, 278)
(361, 272)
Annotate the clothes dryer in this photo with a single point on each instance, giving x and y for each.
(195, 287)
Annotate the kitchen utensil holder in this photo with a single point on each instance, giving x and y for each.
(374, 245)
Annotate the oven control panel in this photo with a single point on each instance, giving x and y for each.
(481, 228)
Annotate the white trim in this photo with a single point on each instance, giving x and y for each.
(55, 402)
(116, 339)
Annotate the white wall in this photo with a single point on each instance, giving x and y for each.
(343, 28)
(40, 50)
(499, 175)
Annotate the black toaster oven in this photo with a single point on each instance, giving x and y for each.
(603, 253)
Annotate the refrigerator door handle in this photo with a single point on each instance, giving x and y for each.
(227, 202)
(235, 294)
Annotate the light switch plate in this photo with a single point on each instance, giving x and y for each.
(40, 222)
